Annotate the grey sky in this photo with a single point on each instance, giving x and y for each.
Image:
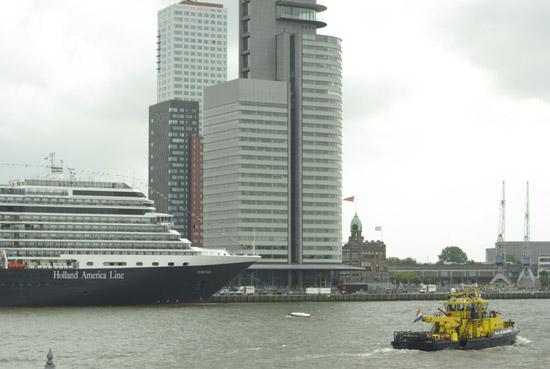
(442, 100)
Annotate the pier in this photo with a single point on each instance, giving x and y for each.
(509, 295)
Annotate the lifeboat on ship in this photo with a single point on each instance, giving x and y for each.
(16, 265)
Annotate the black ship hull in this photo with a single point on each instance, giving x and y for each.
(109, 286)
(422, 341)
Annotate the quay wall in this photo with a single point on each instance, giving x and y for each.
(371, 297)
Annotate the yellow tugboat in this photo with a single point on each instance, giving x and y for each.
(465, 323)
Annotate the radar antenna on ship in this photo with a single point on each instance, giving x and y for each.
(56, 168)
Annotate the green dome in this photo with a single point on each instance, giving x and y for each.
(356, 225)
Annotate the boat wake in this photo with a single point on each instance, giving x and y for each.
(522, 342)
(377, 352)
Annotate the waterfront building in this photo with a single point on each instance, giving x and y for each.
(284, 116)
(279, 41)
(368, 255)
(246, 163)
(191, 50)
(447, 274)
(514, 249)
(175, 165)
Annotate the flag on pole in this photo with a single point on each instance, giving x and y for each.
(418, 316)
(378, 228)
(351, 198)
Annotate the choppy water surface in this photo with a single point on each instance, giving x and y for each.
(338, 335)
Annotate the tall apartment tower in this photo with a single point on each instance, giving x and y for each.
(191, 50)
(175, 165)
(300, 153)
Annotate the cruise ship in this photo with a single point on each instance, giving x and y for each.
(69, 242)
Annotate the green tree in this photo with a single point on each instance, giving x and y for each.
(396, 261)
(453, 254)
(511, 259)
(407, 277)
(545, 278)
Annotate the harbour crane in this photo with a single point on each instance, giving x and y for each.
(526, 278)
(500, 258)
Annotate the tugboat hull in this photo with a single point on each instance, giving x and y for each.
(422, 341)
(504, 339)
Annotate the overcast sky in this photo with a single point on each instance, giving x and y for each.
(442, 101)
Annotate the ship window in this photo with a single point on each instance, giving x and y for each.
(90, 263)
(186, 263)
(139, 263)
(171, 264)
(155, 264)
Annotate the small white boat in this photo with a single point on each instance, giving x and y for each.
(299, 315)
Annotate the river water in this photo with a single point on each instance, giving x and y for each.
(338, 335)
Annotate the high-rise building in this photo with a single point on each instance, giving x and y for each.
(246, 173)
(191, 54)
(195, 190)
(279, 43)
(191, 50)
(175, 159)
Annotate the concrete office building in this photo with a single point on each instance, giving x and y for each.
(175, 158)
(279, 41)
(246, 164)
(191, 50)
(288, 98)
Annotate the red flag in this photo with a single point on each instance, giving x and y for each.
(351, 198)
